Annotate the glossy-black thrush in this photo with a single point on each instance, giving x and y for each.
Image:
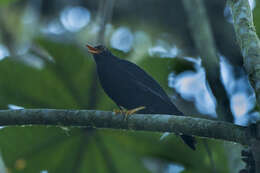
(130, 87)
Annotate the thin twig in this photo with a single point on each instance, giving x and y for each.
(106, 10)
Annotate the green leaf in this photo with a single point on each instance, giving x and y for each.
(79, 150)
(6, 2)
(29, 87)
(256, 14)
(73, 67)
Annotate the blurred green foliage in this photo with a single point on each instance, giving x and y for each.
(6, 2)
(256, 16)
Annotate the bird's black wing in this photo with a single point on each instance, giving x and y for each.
(144, 80)
(148, 84)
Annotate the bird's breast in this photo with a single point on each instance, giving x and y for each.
(112, 82)
(117, 85)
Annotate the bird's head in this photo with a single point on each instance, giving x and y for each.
(99, 52)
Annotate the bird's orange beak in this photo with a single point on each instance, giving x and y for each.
(92, 49)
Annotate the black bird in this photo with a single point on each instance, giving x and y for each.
(130, 87)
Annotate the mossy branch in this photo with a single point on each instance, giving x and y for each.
(248, 41)
(250, 48)
(144, 122)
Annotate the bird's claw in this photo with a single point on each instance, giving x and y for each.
(117, 111)
(128, 112)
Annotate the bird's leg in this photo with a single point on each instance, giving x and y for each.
(126, 112)
(133, 111)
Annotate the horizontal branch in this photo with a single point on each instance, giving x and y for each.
(145, 122)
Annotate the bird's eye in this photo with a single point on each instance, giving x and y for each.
(101, 47)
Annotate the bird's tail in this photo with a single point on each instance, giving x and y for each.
(189, 140)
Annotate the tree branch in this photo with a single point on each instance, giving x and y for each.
(146, 122)
(248, 41)
(250, 47)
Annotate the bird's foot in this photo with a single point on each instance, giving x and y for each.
(128, 112)
(117, 111)
(120, 111)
